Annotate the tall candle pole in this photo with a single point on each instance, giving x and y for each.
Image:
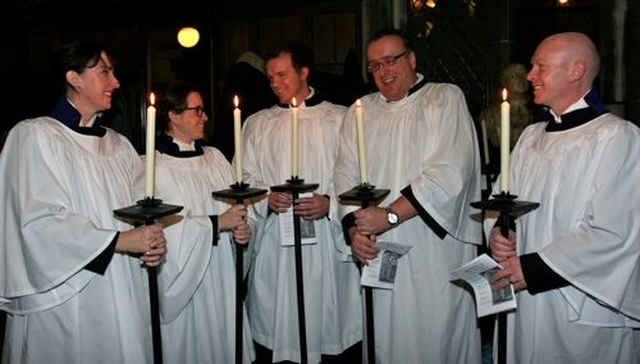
(362, 162)
(365, 193)
(505, 145)
(508, 207)
(237, 134)
(295, 186)
(150, 149)
(240, 192)
(147, 211)
(294, 138)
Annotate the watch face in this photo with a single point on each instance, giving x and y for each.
(392, 218)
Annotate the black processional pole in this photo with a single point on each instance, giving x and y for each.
(366, 193)
(239, 192)
(295, 186)
(146, 212)
(508, 207)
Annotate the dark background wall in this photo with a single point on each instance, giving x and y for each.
(466, 42)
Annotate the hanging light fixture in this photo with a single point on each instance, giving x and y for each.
(188, 37)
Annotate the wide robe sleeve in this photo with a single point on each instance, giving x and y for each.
(450, 175)
(188, 256)
(52, 226)
(438, 155)
(188, 182)
(600, 255)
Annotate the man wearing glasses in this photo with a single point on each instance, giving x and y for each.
(420, 143)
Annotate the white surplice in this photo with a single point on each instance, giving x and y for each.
(331, 281)
(427, 141)
(585, 229)
(197, 280)
(59, 190)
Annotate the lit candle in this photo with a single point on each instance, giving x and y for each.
(504, 142)
(362, 162)
(237, 130)
(485, 142)
(294, 138)
(151, 149)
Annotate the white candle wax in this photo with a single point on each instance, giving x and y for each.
(362, 162)
(151, 149)
(294, 138)
(237, 134)
(504, 143)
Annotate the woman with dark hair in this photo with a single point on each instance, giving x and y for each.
(198, 279)
(71, 279)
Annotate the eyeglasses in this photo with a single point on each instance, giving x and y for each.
(386, 62)
(198, 109)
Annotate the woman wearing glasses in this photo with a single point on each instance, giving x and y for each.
(198, 278)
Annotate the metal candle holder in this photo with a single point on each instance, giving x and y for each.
(295, 186)
(366, 193)
(239, 192)
(509, 207)
(145, 212)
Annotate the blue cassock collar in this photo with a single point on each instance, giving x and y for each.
(576, 117)
(68, 115)
(165, 145)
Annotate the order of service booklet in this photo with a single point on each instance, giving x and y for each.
(477, 273)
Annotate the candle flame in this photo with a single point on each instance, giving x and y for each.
(358, 103)
(235, 100)
(152, 98)
(293, 102)
(504, 94)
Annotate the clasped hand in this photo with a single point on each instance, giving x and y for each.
(147, 241)
(503, 250)
(370, 222)
(235, 219)
(308, 208)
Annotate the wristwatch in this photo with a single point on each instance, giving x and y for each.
(392, 217)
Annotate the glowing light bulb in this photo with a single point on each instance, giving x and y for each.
(188, 37)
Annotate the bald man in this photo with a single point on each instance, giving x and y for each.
(574, 261)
